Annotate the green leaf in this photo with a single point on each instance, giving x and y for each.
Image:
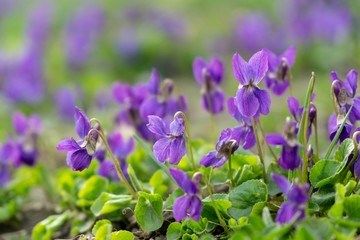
(102, 229)
(245, 196)
(93, 187)
(81, 224)
(148, 211)
(157, 182)
(198, 227)
(352, 207)
(134, 179)
(108, 202)
(122, 235)
(207, 237)
(173, 231)
(323, 229)
(344, 150)
(302, 233)
(324, 172)
(46, 228)
(266, 217)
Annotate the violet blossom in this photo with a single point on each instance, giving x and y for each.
(250, 99)
(189, 205)
(290, 157)
(227, 144)
(121, 149)
(7, 152)
(80, 152)
(297, 196)
(345, 93)
(130, 98)
(334, 125)
(171, 142)
(246, 132)
(27, 130)
(278, 76)
(209, 76)
(161, 101)
(65, 103)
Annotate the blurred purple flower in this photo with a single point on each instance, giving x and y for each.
(8, 152)
(189, 205)
(131, 98)
(80, 153)
(81, 34)
(227, 144)
(161, 101)
(297, 197)
(65, 103)
(27, 130)
(278, 76)
(250, 99)
(290, 157)
(171, 142)
(24, 78)
(345, 93)
(209, 76)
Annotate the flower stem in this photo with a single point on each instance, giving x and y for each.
(316, 136)
(258, 144)
(263, 135)
(188, 139)
(221, 220)
(115, 162)
(230, 175)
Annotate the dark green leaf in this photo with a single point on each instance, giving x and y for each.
(173, 231)
(245, 196)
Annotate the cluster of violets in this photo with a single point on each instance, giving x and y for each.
(22, 147)
(157, 115)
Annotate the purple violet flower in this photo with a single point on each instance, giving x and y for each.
(297, 197)
(131, 98)
(209, 76)
(79, 153)
(297, 111)
(290, 157)
(27, 130)
(334, 125)
(250, 99)
(161, 101)
(227, 144)
(65, 103)
(189, 205)
(345, 93)
(246, 134)
(278, 76)
(7, 152)
(171, 142)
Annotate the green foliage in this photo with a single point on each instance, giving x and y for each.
(107, 203)
(102, 229)
(91, 189)
(46, 228)
(173, 231)
(122, 235)
(245, 196)
(148, 211)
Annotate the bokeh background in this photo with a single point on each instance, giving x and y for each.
(58, 54)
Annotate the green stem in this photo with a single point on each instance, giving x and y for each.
(230, 175)
(304, 122)
(258, 144)
(187, 138)
(316, 137)
(115, 162)
(221, 220)
(263, 135)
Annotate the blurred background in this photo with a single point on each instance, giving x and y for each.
(57, 54)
